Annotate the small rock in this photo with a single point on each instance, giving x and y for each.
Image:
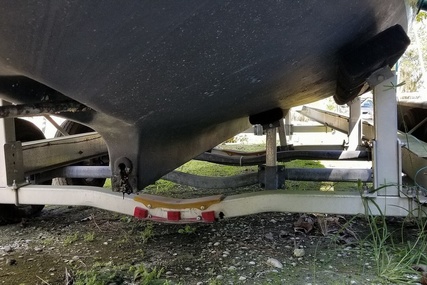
(216, 244)
(232, 268)
(199, 283)
(30, 259)
(252, 262)
(274, 262)
(38, 249)
(187, 269)
(283, 234)
(299, 252)
(269, 236)
(219, 277)
(168, 273)
(242, 278)
(7, 248)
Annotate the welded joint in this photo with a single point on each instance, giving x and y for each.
(15, 187)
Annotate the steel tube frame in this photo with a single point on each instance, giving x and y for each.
(232, 206)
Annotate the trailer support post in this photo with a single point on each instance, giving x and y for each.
(7, 134)
(355, 125)
(386, 148)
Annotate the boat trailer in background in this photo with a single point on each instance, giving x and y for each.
(28, 165)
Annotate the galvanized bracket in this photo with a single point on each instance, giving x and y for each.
(416, 193)
(379, 75)
(271, 177)
(14, 164)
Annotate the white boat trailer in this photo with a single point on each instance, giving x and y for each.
(49, 158)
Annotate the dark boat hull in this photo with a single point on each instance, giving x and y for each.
(168, 80)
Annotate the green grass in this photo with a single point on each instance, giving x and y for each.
(395, 253)
(204, 168)
(187, 230)
(70, 239)
(108, 273)
(89, 237)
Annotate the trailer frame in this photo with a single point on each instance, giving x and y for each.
(34, 162)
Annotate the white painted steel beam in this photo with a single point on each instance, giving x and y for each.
(386, 158)
(355, 125)
(232, 206)
(7, 133)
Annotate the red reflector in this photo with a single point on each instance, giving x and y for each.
(140, 213)
(174, 216)
(208, 216)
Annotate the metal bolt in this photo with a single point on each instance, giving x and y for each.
(149, 206)
(202, 207)
(149, 216)
(199, 218)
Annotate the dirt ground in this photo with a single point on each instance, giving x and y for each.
(68, 245)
